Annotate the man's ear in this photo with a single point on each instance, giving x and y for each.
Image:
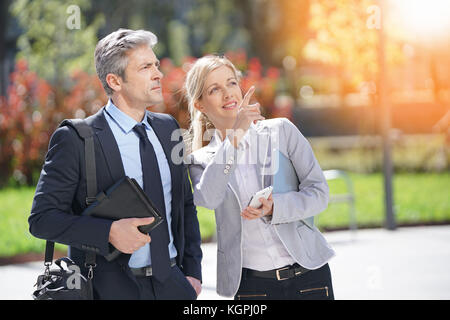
(114, 81)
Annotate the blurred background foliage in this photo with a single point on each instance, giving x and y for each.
(51, 49)
(309, 59)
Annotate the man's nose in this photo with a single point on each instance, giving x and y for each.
(157, 75)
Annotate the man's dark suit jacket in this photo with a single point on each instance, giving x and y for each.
(60, 199)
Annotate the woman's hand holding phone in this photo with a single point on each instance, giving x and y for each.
(266, 209)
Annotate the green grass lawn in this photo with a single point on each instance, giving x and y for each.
(14, 210)
(418, 198)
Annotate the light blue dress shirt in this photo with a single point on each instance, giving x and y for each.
(122, 127)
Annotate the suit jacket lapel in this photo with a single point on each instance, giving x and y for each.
(111, 154)
(108, 145)
(164, 133)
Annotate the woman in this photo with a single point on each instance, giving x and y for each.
(270, 252)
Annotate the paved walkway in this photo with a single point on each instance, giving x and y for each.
(409, 263)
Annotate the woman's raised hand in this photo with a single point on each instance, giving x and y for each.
(246, 114)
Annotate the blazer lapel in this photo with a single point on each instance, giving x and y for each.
(266, 164)
(263, 142)
(163, 133)
(111, 154)
(108, 145)
(211, 150)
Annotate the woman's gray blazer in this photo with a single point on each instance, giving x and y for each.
(212, 173)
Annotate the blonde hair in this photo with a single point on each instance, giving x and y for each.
(194, 85)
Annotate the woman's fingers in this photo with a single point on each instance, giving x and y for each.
(246, 115)
(256, 118)
(253, 113)
(266, 203)
(247, 97)
(250, 213)
(249, 216)
(254, 107)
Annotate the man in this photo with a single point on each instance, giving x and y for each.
(129, 140)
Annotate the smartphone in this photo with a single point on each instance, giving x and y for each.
(264, 193)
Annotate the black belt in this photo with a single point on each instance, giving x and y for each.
(148, 271)
(284, 273)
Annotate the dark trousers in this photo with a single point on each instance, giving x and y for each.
(313, 285)
(177, 287)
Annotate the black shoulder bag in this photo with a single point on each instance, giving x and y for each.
(67, 282)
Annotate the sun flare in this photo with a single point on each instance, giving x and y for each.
(424, 18)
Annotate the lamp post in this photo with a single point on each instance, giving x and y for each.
(385, 117)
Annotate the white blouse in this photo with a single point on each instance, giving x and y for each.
(262, 248)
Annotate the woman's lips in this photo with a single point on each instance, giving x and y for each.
(230, 106)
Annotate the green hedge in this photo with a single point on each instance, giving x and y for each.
(419, 198)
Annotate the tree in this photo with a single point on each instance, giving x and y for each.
(345, 36)
(57, 38)
(56, 43)
(216, 26)
(4, 18)
(277, 28)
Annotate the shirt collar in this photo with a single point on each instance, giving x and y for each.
(124, 121)
(244, 143)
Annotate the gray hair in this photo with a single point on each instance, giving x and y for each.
(110, 52)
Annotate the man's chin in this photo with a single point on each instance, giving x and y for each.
(157, 97)
(154, 101)
(156, 106)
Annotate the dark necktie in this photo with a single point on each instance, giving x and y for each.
(154, 190)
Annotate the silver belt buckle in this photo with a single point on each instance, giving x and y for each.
(148, 271)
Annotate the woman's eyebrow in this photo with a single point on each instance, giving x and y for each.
(215, 83)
